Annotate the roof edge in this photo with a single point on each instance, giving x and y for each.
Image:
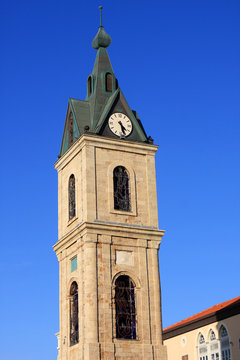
(231, 308)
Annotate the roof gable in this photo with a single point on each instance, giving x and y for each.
(118, 103)
(80, 119)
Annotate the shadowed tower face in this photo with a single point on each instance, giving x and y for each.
(108, 226)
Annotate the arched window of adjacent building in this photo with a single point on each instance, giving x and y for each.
(225, 344)
(214, 346)
(121, 189)
(125, 308)
(108, 82)
(70, 129)
(74, 333)
(89, 82)
(202, 348)
(71, 197)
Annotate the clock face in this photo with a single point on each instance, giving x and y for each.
(120, 124)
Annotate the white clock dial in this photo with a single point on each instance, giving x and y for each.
(120, 124)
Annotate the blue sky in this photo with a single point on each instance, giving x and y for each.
(177, 63)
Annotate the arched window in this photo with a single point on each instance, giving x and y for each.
(74, 335)
(89, 86)
(71, 197)
(125, 308)
(214, 346)
(70, 129)
(202, 348)
(225, 344)
(121, 189)
(108, 82)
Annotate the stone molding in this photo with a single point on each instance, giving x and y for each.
(107, 143)
(152, 237)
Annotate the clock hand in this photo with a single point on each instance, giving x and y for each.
(122, 127)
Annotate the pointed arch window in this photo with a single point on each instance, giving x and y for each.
(121, 189)
(74, 332)
(108, 82)
(71, 197)
(202, 348)
(125, 308)
(225, 344)
(214, 346)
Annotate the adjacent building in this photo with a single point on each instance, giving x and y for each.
(213, 334)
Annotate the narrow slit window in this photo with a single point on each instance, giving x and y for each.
(108, 81)
(71, 197)
(89, 86)
(74, 332)
(125, 308)
(121, 189)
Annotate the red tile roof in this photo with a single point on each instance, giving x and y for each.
(203, 314)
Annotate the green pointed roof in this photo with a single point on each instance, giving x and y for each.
(102, 39)
(100, 96)
(101, 101)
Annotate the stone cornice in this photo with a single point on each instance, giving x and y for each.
(153, 235)
(104, 142)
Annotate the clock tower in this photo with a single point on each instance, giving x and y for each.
(110, 303)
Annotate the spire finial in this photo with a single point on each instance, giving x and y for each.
(100, 8)
(102, 39)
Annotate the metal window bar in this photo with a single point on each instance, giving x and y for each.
(71, 197)
(74, 335)
(121, 189)
(125, 308)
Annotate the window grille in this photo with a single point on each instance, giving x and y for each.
(121, 189)
(125, 308)
(71, 197)
(74, 335)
